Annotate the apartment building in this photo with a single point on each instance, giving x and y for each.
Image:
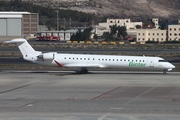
(120, 22)
(174, 33)
(156, 22)
(156, 35)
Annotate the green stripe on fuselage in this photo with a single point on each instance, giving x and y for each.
(134, 64)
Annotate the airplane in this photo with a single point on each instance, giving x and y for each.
(85, 61)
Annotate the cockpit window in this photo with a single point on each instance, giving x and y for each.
(163, 61)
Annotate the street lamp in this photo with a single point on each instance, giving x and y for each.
(57, 20)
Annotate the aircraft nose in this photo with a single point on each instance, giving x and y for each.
(171, 65)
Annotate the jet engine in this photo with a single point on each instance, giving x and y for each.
(47, 56)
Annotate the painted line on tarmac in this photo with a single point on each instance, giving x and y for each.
(27, 105)
(105, 93)
(14, 89)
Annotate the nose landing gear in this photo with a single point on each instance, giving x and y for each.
(164, 72)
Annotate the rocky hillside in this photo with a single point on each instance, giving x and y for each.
(136, 9)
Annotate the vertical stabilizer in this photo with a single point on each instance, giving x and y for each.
(27, 51)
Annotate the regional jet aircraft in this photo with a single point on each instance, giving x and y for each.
(85, 61)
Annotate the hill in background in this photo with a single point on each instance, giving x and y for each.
(134, 9)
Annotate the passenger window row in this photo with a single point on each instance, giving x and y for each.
(105, 59)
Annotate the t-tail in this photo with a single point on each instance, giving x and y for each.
(27, 51)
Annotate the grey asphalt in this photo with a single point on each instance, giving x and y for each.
(99, 95)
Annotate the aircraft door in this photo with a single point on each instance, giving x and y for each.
(151, 63)
(53, 56)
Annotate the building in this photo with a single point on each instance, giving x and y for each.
(156, 22)
(105, 27)
(120, 22)
(18, 24)
(174, 33)
(98, 30)
(63, 35)
(156, 35)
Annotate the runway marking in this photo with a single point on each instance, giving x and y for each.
(105, 93)
(71, 98)
(103, 117)
(27, 105)
(13, 89)
(116, 108)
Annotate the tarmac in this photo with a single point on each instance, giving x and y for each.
(98, 95)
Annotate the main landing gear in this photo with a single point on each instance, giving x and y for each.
(82, 71)
(164, 72)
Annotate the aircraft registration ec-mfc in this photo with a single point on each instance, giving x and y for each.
(85, 61)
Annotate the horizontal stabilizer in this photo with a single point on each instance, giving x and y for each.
(17, 40)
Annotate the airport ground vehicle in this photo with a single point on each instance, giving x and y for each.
(48, 36)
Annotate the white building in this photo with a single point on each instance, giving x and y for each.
(174, 32)
(105, 27)
(120, 22)
(98, 30)
(156, 22)
(148, 35)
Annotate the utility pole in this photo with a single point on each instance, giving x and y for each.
(57, 20)
(70, 22)
(64, 23)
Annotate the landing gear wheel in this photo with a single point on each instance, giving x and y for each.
(164, 72)
(83, 71)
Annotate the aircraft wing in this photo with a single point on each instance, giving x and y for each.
(82, 65)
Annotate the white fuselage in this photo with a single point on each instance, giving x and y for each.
(89, 61)
(105, 61)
